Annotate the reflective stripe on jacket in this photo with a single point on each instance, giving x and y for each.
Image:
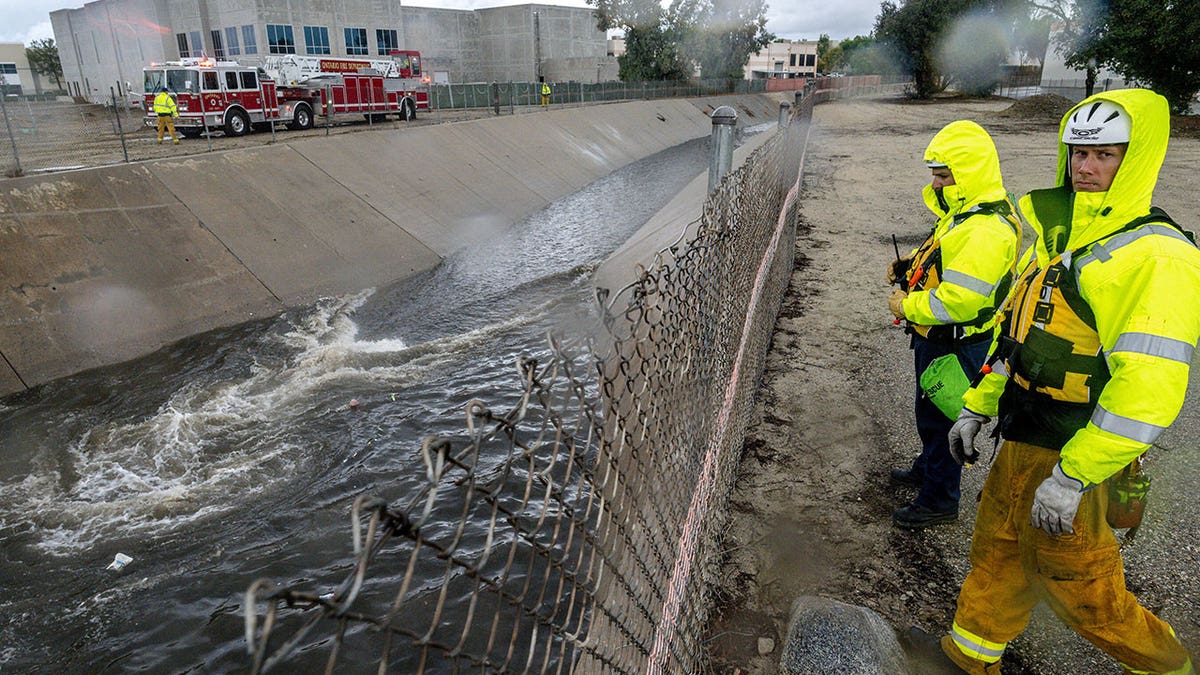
(966, 263)
(165, 105)
(1140, 283)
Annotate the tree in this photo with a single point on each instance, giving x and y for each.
(823, 54)
(43, 59)
(972, 52)
(1078, 22)
(918, 31)
(721, 34)
(863, 55)
(1152, 42)
(651, 51)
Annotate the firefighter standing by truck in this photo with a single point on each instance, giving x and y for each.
(1090, 367)
(167, 111)
(951, 286)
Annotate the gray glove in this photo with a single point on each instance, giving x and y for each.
(1055, 503)
(962, 436)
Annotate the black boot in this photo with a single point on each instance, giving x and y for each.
(916, 517)
(907, 477)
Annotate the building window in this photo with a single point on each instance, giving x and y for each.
(280, 39)
(810, 60)
(231, 42)
(356, 42)
(197, 45)
(8, 69)
(181, 42)
(218, 44)
(792, 61)
(248, 40)
(386, 41)
(316, 40)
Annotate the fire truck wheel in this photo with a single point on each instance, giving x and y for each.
(409, 113)
(301, 118)
(237, 123)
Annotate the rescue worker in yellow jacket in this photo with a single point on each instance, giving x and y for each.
(164, 107)
(1090, 366)
(545, 93)
(952, 285)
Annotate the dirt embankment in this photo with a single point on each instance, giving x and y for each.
(811, 513)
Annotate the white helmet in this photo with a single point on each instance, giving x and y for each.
(1099, 123)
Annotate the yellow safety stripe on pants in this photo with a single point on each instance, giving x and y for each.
(976, 647)
(1185, 670)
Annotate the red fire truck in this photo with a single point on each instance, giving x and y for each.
(235, 98)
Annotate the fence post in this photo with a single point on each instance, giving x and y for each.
(8, 125)
(723, 121)
(120, 129)
(496, 97)
(785, 110)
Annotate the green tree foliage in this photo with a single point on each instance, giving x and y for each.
(651, 53)
(1152, 42)
(717, 35)
(43, 59)
(721, 34)
(823, 55)
(972, 52)
(863, 55)
(924, 38)
(1078, 22)
(651, 47)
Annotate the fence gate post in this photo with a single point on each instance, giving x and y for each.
(785, 113)
(724, 120)
(120, 129)
(496, 97)
(8, 126)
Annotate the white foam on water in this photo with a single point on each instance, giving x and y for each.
(210, 442)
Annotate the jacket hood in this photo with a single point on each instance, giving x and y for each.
(968, 150)
(1094, 214)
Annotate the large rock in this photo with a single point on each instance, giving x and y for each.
(827, 636)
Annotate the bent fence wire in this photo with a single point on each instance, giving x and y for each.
(579, 530)
(576, 530)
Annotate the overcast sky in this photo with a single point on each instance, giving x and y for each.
(26, 20)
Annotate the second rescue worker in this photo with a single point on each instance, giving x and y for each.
(954, 282)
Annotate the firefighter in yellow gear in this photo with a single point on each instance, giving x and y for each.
(545, 93)
(164, 107)
(1090, 365)
(952, 285)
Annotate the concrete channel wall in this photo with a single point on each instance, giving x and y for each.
(103, 265)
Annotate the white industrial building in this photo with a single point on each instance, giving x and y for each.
(784, 59)
(106, 43)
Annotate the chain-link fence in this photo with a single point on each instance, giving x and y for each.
(577, 531)
(39, 135)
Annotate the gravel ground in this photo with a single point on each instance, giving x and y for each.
(811, 512)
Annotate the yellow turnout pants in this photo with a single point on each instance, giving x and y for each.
(1081, 576)
(167, 123)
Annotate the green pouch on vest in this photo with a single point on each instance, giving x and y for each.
(944, 383)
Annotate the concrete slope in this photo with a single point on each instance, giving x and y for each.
(103, 265)
(100, 266)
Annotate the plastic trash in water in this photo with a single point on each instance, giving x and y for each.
(119, 562)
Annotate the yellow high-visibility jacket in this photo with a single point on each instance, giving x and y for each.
(967, 262)
(165, 105)
(1140, 282)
